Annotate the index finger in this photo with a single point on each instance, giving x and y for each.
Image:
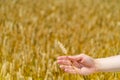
(62, 58)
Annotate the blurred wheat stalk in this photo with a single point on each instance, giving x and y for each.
(29, 28)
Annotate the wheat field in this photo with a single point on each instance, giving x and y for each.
(33, 33)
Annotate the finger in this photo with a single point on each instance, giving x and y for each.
(69, 63)
(75, 58)
(64, 67)
(71, 71)
(75, 70)
(64, 62)
(62, 58)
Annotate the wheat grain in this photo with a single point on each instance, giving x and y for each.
(61, 46)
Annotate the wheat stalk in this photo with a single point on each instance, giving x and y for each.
(61, 46)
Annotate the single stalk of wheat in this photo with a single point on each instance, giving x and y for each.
(61, 46)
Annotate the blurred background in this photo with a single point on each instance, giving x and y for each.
(33, 33)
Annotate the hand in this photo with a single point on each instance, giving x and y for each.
(79, 64)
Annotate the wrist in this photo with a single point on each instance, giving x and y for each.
(98, 65)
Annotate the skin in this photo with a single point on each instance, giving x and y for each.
(85, 65)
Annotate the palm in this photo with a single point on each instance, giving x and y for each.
(80, 64)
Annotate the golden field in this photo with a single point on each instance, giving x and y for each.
(29, 30)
